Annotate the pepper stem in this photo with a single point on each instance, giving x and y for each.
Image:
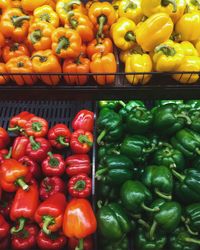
(84, 139)
(100, 172)
(188, 120)
(178, 175)
(191, 240)
(35, 36)
(143, 223)
(197, 151)
(80, 245)
(18, 21)
(80, 185)
(61, 140)
(122, 103)
(8, 156)
(42, 58)
(34, 144)
(37, 126)
(101, 136)
(162, 195)
(130, 37)
(20, 182)
(62, 44)
(190, 230)
(102, 20)
(130, 5)
(22, 222)
(166, 50)
(152, 230)
(47, 221)
(14, 129)
(167, 2)
(69, 5)
(195, 3)
(156, 209)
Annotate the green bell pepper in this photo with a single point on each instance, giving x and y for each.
(135, 196)
(111, 104)
(107, 193)
(192, 218)
(109, 123)
(130, 106)
(181, 240)
(115, 169)
(196, 163)
(122, 244)
(194, 115)
(108, 149)
(144, 242)
(113, 221)
(188, 142)
(160, 179)
(194, 104)
(164, 102)
(139, 120)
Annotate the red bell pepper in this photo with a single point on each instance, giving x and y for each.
(19, 147)
(4, 227)
(32, 166)
(87, 245)
(84, 119)
(4, 138)
(53, 165)
(12, 175)
(37, 149)
(25, 239)
(81, 141)
(24, 206)
(49, 214)
(18, 122)
(50, 186)
(54, 241)
(59, 136)
(37, 127)
(79, 220)
(80, 186)
(78, 164)
(5, 243)
(4, 154)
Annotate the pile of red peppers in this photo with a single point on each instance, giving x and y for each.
(45, 184)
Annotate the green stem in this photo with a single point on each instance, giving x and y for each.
(122, 103)
(195, 3)
(162, 195)
(35, 36)
(47, 221)
(61, 140)
(197, 151)
(68, 6)
(8, 156)
(101, 172)
(102, 20)
(144, 224)
(34, 144)
(130, 5)
(167, 2)
(42, 58)
(152, 230)
(101, 136)
(62, 44)
(130, 37)
(37, 126)
(84, 139)
(14, 129)
(22, 222)
(80, 245)
(188, 120)
(166, 50)
(156, 209)
(20, 182)
(178, 175)
(191, 240)
(18, 21)
(190, 230)
(80, 185)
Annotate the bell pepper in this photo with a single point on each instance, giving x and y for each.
(53, 165)
(5, 243)
(4, 154)
(80, 186)
(5, 204)
(25, 239)
(84, 119)
(79, 65)
(164, 102)
(16, 4)
(82, 24)
(21, 65)
(115, 170)
(197, 46)
(182, 240)
(45, 13)
(4, 227)
(19, 147)
(170, 118)
(14, 24)
(87, 245)
(32, 166)
(122, 244)
(192, 5)
(17, 122)
(192, 218)
(45, 62)
(143, 241)
(187, 26)
(66, 43)
(4, 5)
(3, 78)
(135, 196)
(130, 106)
(54, 241)
(59, 136)
(189, 63)
(37, 127)
(103, 46)
(122, 33)
(193, 104)
(106, 193)
(37, 149)
(158, 26)
(40, 35)
(13, 50)
(12, 175)
(189, 49)
(169, 157)
(4, 138)
(81, 141)
(108, 149)
(113, 222)
(131, 10)
(49, 214)
(102, 15)
(194, 114)
(160, 179)
(168, 56)
(50, 186)
(76, 164)
(103, 64)
(24, 206)
(109, 124)
(111, 104)
(30, 7)
(138, 63)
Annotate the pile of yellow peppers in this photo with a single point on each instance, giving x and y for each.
(158, 35)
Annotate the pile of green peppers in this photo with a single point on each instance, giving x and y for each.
(148, 175)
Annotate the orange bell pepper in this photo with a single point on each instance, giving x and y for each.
(89, 3)
(14, 24)
(3, 78)
(79, 65)
(104, 46)
(103, 64)
(30, 6)
(2, 40)
(66, 43)
(40, 35)
(13, 50)
(21, 65)
(45, 62)
(4, 5)
(102, 15)
(83, 50)
(82, 24)
(16, 4)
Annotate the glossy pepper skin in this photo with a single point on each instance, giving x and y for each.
(129, 106)
(113, 222)
(111, 104)
(59, 136)
(27, 6)
(189, 49)
(84, 119)
(194, 116)
(87, 244)
(19, 147)
(18, 122)
(49, 214)
(50, 186)
(4, 138)
(81, 141)
(4, 227)
(33, 167)
(108, 149)
(164, 102)
(24, 206)
(53, 165)
(122, 244)
(3, 78)
(192, 217)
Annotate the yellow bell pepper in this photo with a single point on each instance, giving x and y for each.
(189, 49)
(138, 63)
(188, 26)
(115, 5)
(168, 56)
(28, 5)
(131, 9)
(192, 5)
(197, 46)
(189, 64)
(122, 33)
(124, 55)
(154, 31)
(47, 14)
